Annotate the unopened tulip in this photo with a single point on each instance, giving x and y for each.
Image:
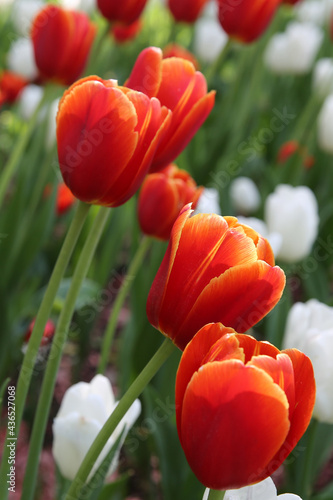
(62, 40)
(325, 125)
(107, 136)
(209, 39)
(323, 77)
(124, 11)
(65, 199)
(186, 11)
(290, 148)
(246, 20)
(241, 406)
(162, 196)
(125, 32)
(47, 334)
(179, 87)
(209, 202)
(83, 412)
(294, 51)
(11, 85)
(214, 270)
(265, 490)
(244, 195)
(21, 59)
(176, 50)
(293, 213)
(29, 101)
(310, 328)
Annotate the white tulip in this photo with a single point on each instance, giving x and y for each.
(323, 77)
(209, 39)
(311, 11)
(293, 213)
(29, 100)
(87, 6)
(309, 328)
(23, 14)
(274, 239)
(209, 202)
(294, 51)
(21, 59)
(325, 125)
(265, 490)
(83, 412)
(51, 126)
(244, 195)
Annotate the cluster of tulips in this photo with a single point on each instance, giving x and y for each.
(243, 395)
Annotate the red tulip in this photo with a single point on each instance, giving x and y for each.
(175, 50)
(125, 32)
(11, 85)
(162, 196)
(241, 406)
(180, 88)
(47, 334)
(62, 40)
(65, 199)
(124, 11)
(246, 20)
(290, 148)
(214, 270)
(107, 136)
(186, 11)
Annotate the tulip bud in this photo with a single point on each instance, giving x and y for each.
(125, 11)
(162, 196)
(293, 213)
(294, 51)
(214, 269)
(241, 406)
(209, 39)
(83, 412)
(186, 11)
(107, 136)
(21, 59)
(323, 77)
(65, 199)
(11, 85)
(265, 490)
(246, 20)
(61, 57)
(209, 202)
(310, 328)
(244, 195)
(291, 148)
(325, 125)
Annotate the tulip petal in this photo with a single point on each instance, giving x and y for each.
(146, 74)
(239, 298)
(305, 394)
(186, 129)
(192, 358)
(216, 401)
(157, 290)
(96, 138)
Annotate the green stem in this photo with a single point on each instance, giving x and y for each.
(216, 495)
(216, 66)
(58, 343)
(110, 425)
(306, 476)
(43, 314)
(121, 296)
(19, 148)
(97, 48)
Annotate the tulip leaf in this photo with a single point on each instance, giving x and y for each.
(115, 490)
(3, 387)
(93, 488)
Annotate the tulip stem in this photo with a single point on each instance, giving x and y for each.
(43, 314)
(119, 301)
(54, 359)
(216, 66)
(19, 148)
(216, 495)
(124, 404)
